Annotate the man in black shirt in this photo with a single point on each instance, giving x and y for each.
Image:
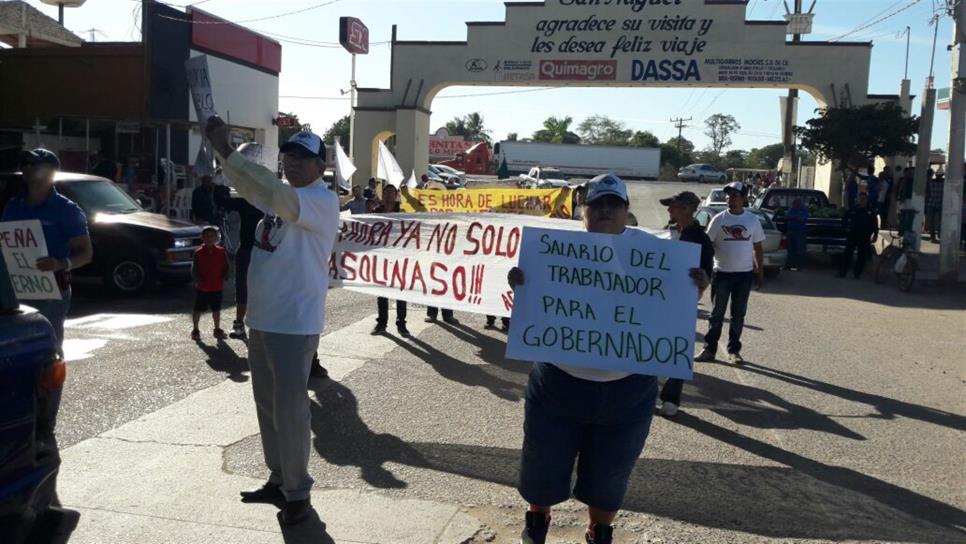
(680, 209)
(863, 231)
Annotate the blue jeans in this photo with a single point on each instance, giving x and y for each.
(599, 426)
(796, 248)
(735, 286)
(56, 312)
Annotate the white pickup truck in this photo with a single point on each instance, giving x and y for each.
(540, 177)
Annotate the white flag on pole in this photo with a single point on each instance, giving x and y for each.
(411, 182)
(388, 169)
(343, 166)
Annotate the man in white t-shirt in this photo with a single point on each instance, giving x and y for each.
(287, 286)
(737, 236)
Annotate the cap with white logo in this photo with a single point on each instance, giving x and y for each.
(738, 186)
(604, 185)
(305, 143)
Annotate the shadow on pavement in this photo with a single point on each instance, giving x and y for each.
(822, 283)
(343, 439)
(222, 358)
(758, 408)
(310, 531)
(802, 498)
(886, 407)
(509, 386)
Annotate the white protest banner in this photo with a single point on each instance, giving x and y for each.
(454, 261)
(23, 243)
(623, 303)
(199, 83)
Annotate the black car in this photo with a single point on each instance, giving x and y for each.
(133, 248)
(31, 378)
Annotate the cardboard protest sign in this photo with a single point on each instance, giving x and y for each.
(199, 83)
(622, 303)
(455, 261)
(542, 202)
(23, 243)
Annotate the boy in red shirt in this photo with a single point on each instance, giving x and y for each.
(209, 269)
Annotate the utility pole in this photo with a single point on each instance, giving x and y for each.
(681, 124)
(953, 191)
(790, 108)
(912, 222)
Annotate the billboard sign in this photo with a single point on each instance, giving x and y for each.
(354, 35)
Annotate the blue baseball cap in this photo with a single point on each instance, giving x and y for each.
(606, 185)
(305, 143)
(39, 157)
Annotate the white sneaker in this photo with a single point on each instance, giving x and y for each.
(736, 358)
(669, 409)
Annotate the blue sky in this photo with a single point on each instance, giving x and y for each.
(323, 71)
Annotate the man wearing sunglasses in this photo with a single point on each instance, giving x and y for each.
(287, 287)
(65, 230)
(598, 419)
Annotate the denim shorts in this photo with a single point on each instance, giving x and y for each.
(600, 426)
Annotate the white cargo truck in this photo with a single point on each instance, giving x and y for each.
(580, 160)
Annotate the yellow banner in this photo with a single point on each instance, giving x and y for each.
(542, 202)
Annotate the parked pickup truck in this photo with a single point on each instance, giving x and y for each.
(132, 247)
(541, 177)
(824, 226)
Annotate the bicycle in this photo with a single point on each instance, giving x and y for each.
(898, 259)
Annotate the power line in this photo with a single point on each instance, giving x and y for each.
(254, 20)
(877, 21)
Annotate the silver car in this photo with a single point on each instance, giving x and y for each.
(774, 246)
(702, 173)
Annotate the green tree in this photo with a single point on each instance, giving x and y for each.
(674, 157)
(602, 130)
(557, 131)
(470, 127)
(512, 137)
(736, 158)
(765, 157)
(854, 136)
(645, 139)
(684, 144)
(340, 129)
(720, 127)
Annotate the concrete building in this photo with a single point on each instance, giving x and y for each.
(130, 101)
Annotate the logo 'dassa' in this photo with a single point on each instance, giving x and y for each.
(476, 65)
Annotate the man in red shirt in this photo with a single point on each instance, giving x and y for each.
(209, 269)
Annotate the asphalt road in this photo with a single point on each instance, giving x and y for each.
(846, 424)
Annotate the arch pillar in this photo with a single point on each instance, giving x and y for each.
(372, 126)
(412, 147)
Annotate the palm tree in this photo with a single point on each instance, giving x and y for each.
(474, 128)
(557, 131)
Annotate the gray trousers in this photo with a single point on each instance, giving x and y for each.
(280, 371)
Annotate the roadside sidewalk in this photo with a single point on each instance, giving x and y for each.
(160, 479)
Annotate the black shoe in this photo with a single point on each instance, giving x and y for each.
(490, 324)
(268, 493)
(505, 326)
(295, 511)
(706, 356)
(403, 331)
(430, 319)
(451, 320)
(317, 370)
(237, 331)
(600, 534)
(378, 330)
(535, 532)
